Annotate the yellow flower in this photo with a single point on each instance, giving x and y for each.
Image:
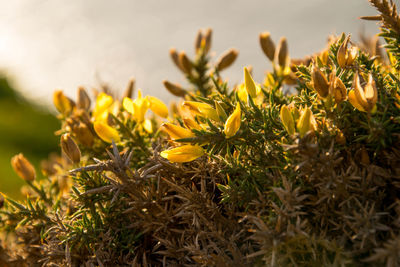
(62, 103)
(287, 119)
(183, 153)
(249, 83)
(103, 103)
(346, 57)
(176, 132)
(157, 106)
(202, 109)
(147, 126)
(191, 124)
(243, 95)
(106, 132)
(232, 124)
(140, 107)
(306, 122)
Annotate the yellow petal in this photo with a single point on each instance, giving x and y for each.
(176, 132)
(305, 122)
(103, 102)
(232, 124)
(249, 83)
(191, 124)
(287, 119)
(148, 126)
(127, 103)
(183, 153)
(158, 107)
(140, 106)
(106, 132)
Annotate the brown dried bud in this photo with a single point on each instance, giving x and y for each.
(267, 45)
(185, 62)
(197, 42)
(174, 89)
(320, 82)
(129, 89)
(70, 148)
(1, 200)
(345, 57)
(282, 53)
(84, 134)
(227, 59)
(175, 58)
(83, 101)
(207, 40)
(23, 167)
(338, 90)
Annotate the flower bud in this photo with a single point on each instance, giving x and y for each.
(282, 53)
(23, 167)
(320, 82)
(207, 40)
(175, 58)
(83, 134)
(1, 200)
(198, 40)
(157, 106)
(232, 124)
(287, 119)
(185, 62)
(70, 148)
(106, 132)
(63, 104)
(185, 153)
(220, 111)
(267, 45)
(174, 89)
(202, 109)
(83, 101)
(191, 124)
(176, 132)
(129, 89)
(227, 59)
(249, 83)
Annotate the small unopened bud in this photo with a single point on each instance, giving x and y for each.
(70, 148)
(249, 83)
(320, 82)
(23, 168)
(174, 89)
(282, 53)
(267, 45)
(227, 59)
(175, 58)
(220, 111)
(83, 134)
(207, 40)
(83, 101)
(63, 104)
(185, 62)
(198, 40)
(129, 89)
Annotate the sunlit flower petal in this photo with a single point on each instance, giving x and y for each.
(183, 153)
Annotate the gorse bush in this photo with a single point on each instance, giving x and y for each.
(302, 169)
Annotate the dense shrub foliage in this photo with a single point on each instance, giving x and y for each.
(301, 169)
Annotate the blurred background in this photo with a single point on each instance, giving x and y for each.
(56, 44)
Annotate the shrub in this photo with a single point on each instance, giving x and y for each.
(302, 169)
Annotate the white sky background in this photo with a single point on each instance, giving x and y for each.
(58, 44)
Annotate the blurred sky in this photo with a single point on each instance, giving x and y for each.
(58, 44)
